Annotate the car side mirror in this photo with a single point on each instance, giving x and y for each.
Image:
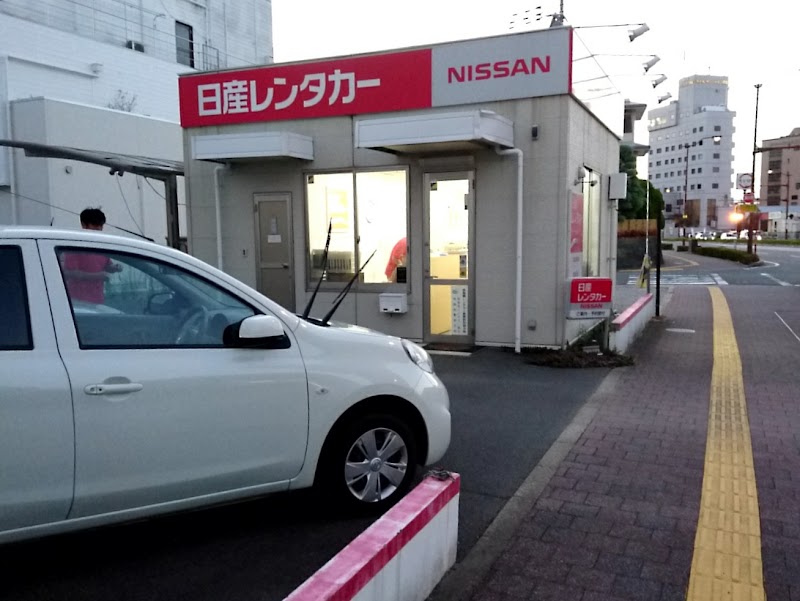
(256, 331)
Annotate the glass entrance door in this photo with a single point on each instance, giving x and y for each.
(448, 257)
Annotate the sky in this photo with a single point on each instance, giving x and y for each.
(756, 44)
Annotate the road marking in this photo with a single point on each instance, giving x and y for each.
(672, 279)
(795, 256)
(681, 330)
(787, 326)
(774, 279)
(727, 549)
(720, 282)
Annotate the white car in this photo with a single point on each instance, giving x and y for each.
(137, 380)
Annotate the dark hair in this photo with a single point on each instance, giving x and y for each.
(93, 217)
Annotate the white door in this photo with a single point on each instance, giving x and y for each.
(164, 411)
(448, 258)
(36, 433)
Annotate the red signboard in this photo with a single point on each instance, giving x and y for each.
(590, 298)
(346, 86)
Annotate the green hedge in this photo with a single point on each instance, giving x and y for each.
(731, 254)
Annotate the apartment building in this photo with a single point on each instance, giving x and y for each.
(691, 155)
(102, 75)
(780, 185)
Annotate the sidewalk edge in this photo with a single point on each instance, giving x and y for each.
(465, 577)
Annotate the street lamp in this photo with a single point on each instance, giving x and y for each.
(659, 80)
(684, 215)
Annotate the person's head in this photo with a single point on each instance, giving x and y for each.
(93, 219)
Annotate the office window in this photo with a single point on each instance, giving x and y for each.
(699, 170)
(184, 43)
(715, 186)
(701, 128)
(370, 207)
(672, 174)
(668, 207)
(699, 186)
(693, 171)
(680, 172)
(717, 128)
(672, 161)
(658, 163)
(715, 155)
(694, 130)
(658, 151)
(658, 176)
(715, 169)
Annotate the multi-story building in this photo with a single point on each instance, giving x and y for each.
(691, 154)
(102, 75)
(780, 185)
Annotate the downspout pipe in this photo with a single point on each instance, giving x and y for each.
(218, 213)
(518, 294)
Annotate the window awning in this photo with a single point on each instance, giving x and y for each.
(282, 144)
(435, 132)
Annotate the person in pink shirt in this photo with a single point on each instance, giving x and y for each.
(86, 273)
(397, 258)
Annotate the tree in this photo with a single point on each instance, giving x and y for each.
(123, 101)
(634, 206)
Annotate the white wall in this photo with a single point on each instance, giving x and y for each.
(70, 186)
(569, 137)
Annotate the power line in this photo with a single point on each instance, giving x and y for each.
(78, 215)
(125, 200)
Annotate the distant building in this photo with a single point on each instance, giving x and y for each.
(691, 168)
(780, 185)
(96, 60)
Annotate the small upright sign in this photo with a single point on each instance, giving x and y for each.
(589, 298)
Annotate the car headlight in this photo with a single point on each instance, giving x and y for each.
(418, 355)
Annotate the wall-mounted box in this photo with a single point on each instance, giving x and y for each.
(393, 302)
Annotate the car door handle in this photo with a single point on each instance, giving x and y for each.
(98, 389)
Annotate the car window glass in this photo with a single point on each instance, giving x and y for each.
(122, 300)
(15, 325)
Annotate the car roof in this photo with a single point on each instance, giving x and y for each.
(32, 232)
(54, 233)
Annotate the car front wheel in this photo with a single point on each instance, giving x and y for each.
(371, 463)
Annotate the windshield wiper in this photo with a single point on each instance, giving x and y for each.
(307, 310)
(338, 300)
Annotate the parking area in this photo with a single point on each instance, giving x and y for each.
(506, 413)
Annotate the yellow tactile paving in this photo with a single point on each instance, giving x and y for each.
(727, 547)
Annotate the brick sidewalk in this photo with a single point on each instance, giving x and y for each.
(618, 519)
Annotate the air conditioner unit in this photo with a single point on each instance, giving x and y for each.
(138, 46)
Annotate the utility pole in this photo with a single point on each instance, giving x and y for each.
(684, 213)
(753, 182)
(788, 198)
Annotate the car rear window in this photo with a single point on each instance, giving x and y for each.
(15, 323)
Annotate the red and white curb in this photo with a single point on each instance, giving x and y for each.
(402, 556)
